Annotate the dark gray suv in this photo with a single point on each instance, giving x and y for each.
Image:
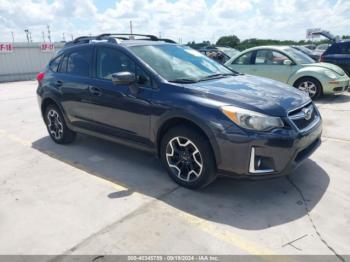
(200, 118)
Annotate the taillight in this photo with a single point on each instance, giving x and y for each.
(40, 77)
(322, 58)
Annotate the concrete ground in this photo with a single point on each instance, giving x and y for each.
(96, 197)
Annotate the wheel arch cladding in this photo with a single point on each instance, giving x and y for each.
(49, 100)
(46, 102)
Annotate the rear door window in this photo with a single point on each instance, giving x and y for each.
(79, 62)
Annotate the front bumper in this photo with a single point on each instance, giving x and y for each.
(266, 154)
(336, 86)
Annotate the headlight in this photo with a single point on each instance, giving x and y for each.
(330, 74)
(250, 119)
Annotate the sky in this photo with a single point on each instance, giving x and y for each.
(188, 20)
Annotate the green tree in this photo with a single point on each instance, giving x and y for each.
(195, 45)
(230, 40)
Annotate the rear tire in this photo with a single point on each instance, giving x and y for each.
(310, 85)
(188, 157)
(57, 127)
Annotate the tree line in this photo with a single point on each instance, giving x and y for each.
(234, 42)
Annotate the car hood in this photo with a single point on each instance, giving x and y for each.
(253, 93)
(328, 66)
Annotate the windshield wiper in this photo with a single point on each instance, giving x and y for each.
(216, 76)
(183, 81)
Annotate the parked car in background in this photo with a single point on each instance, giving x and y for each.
(310, 46)
(338, 54)
(200, 118)
(307, 52)
(320, 49)
(220, 54)
(288, 65)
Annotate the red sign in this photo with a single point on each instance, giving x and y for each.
(47, 47)
(6, 48)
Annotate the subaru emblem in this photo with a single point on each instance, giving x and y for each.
(307, 113)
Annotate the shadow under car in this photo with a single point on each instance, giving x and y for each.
(245, 204)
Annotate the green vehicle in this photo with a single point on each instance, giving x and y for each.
(288, 65)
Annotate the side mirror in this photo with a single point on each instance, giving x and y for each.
(123, 78)
(287, 62)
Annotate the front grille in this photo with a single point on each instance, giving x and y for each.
(304, 117)
(338, 89)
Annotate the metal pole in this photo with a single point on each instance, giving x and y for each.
(27, 34)
(130, 27)
(48, 33)
(43, 34)
(13, 37)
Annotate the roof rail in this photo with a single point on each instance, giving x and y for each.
(123, 36)
(167, 40)
(81, 40)
(110, 37)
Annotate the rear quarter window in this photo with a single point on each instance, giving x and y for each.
(345, 48)
(55, 63)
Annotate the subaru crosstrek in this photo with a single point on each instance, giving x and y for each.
(199, 117)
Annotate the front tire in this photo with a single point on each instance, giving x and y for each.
(57, 127)
(310, 85)
(188, 157)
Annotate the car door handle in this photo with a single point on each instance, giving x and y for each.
(95, 90)
(58, 83)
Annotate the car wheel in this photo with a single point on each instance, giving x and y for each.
(188, 157)
(57, 127)
(310, 85)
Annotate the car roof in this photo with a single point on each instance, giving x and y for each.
(343, 41)
(128, 43)
(124, 43)
(118, 39)
(214, 48)
(272, 47)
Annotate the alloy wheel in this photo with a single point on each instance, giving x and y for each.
(54, 124)
(184, 159)
(309, 87)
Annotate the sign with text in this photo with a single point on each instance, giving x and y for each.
(47, 47)
(6, 48)
(310, 33)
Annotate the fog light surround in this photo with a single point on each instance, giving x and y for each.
(257, 165)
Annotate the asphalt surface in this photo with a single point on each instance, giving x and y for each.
(96, 197)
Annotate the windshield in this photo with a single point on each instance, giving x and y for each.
(179, 63)
(298, 56)
(304, 49)
(229, 51)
